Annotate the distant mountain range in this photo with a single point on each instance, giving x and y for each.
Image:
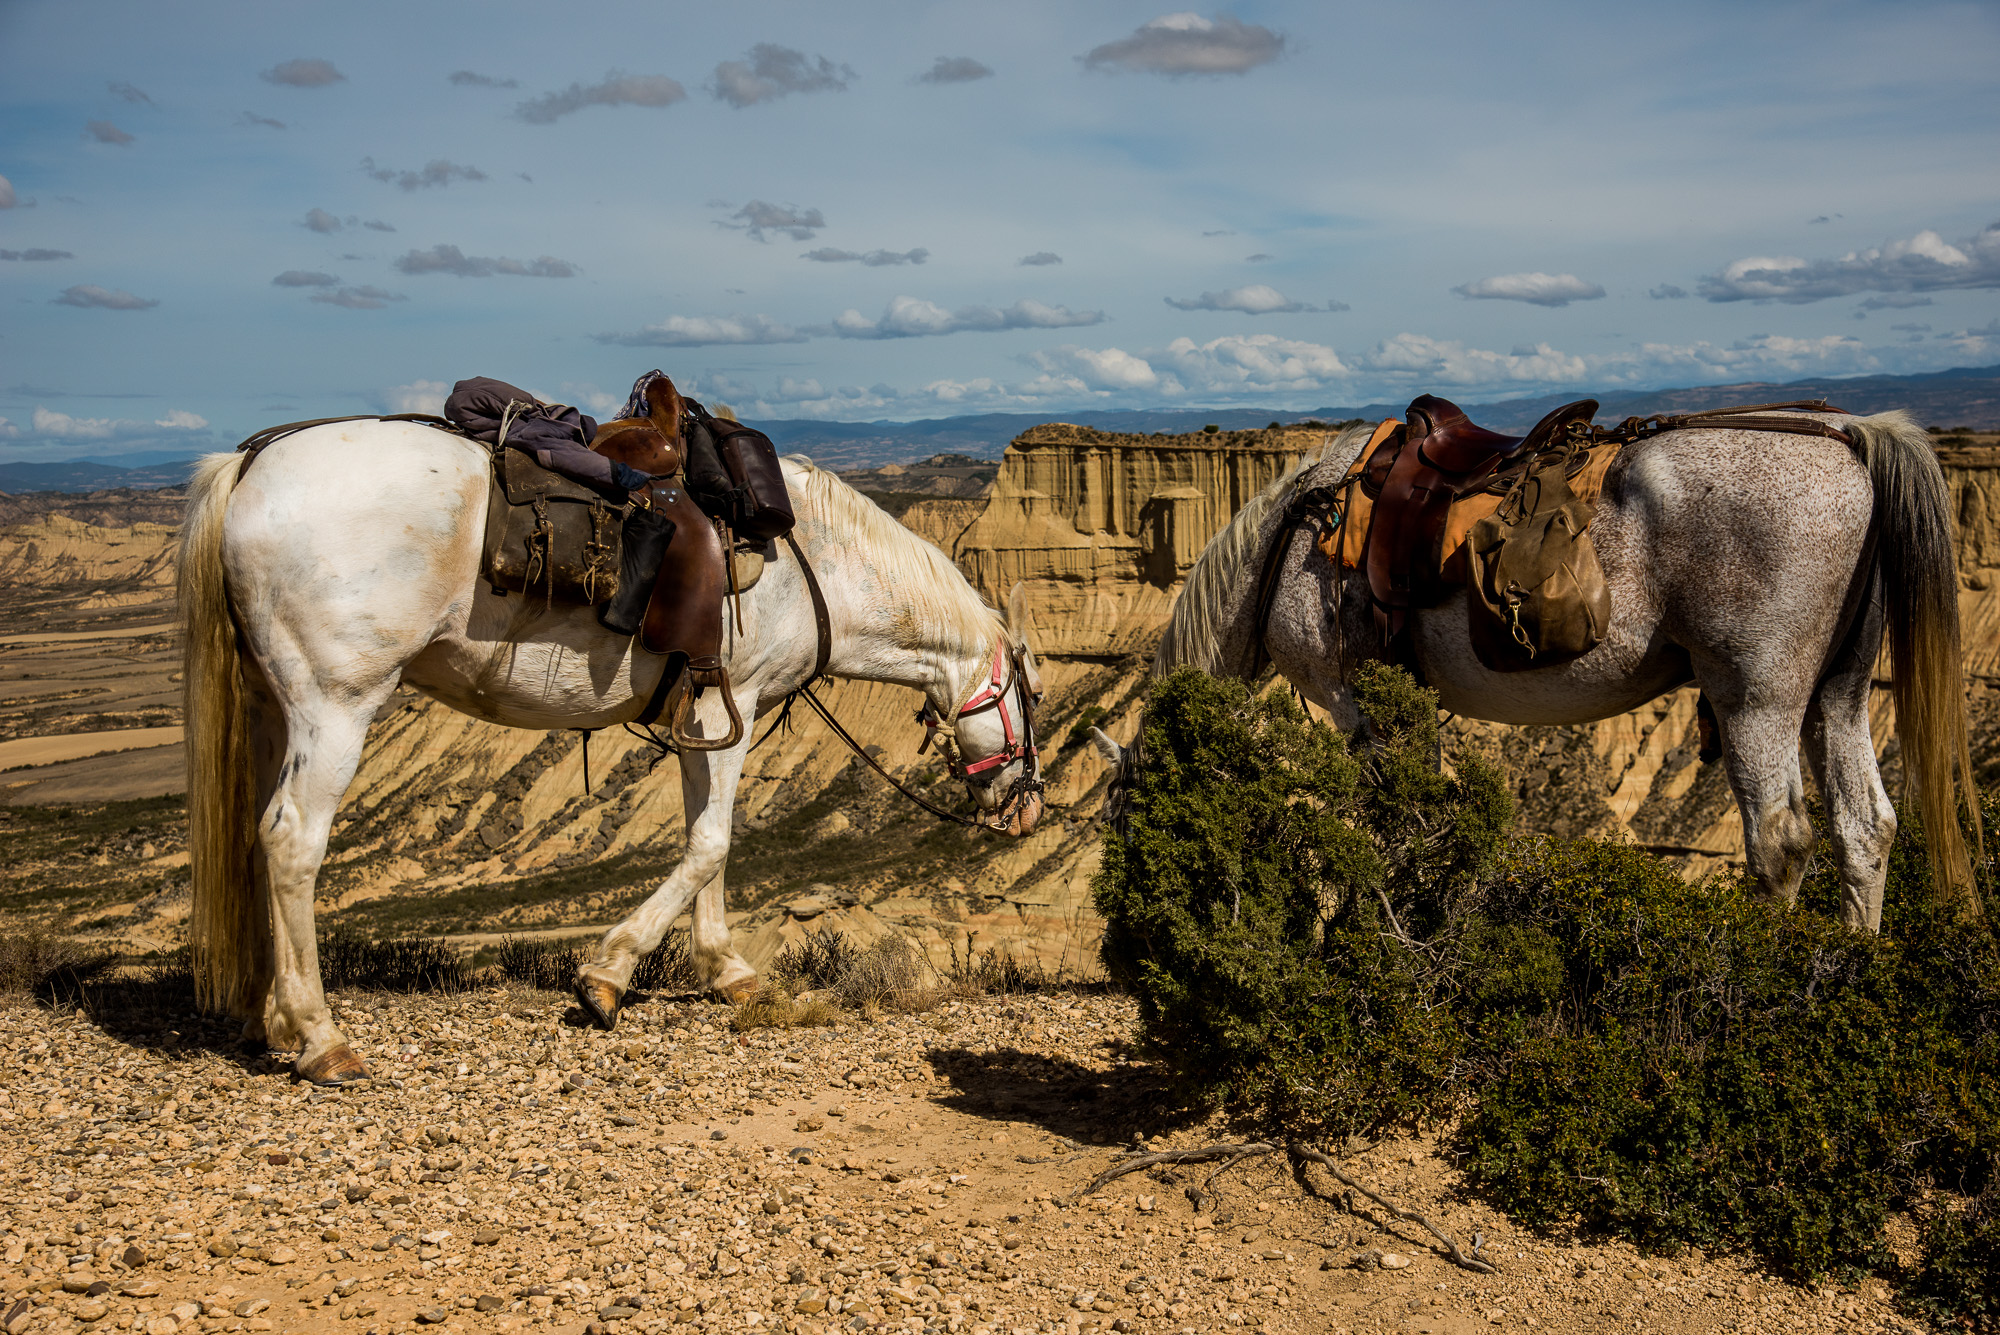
(1967, 396)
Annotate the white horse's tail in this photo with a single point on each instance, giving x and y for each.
(220, 774)
(1920, 580)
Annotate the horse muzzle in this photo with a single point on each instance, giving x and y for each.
(1027, 813)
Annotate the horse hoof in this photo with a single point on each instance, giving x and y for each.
(740, 991)
(599, 1000)
(338, 1065)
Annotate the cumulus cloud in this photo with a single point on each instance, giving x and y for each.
(8, 199)
(758, 217)
(62, 426)
(419, 396)
(304, 74)
(1180, 44)
(614, 90)
(1447, 361)
(104, 132)
(1254, 361)
(436, 172)
(470, 79)
(36, 253)
(696, 331)
(772, 71)
(319, 220)
(1041, 257)
(89, 295)
(304, 278)
(1256, 299)
(1537, 289)
(1925, 262)
(912, 317)
(955, 69)
(1895, 301)
(1095, 368)
(126, 92)
(1668, 292)
(450, 259)
(363, 298)
(874, 259)
(377, 225)
(252, 119)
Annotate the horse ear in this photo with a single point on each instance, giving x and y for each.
(1113, 753)
(663, 407)
(1020, 621)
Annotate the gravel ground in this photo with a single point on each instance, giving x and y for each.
(508, 1170)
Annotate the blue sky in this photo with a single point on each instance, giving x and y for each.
(219, 214)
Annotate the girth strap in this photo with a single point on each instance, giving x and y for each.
(822, 623)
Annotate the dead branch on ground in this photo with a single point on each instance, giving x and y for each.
(1469, 1260)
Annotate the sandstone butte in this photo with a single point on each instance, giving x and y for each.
(1101, 528)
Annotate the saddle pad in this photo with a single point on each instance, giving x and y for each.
(1349, 540)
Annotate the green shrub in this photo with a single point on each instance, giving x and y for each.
(1330, 936)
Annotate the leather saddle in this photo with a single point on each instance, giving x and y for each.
(1414, 475)
(693, 574)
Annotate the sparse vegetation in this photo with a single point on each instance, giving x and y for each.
(552, 965)
(347, 959)
(41, 961)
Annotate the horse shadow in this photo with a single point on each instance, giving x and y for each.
(1062, 1097)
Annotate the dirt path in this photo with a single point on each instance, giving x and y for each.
(24, 751)
(508, 1171)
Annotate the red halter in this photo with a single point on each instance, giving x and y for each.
(991, 695)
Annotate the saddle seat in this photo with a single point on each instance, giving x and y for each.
(1413, 476)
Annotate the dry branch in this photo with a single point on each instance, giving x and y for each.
(1469, 1260)
(1137, 1162)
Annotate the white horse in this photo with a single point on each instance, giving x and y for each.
(346, 560)
(1764, 566)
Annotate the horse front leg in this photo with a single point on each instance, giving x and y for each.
(708, 797)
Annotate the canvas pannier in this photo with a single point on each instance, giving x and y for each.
(1538, 595)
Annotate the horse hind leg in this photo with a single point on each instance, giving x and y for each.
(1760, 750)
(1840, 746)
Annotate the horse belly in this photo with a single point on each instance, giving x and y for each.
(1618, 675)
(510, 661)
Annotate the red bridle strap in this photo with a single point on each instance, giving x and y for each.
(991, 695)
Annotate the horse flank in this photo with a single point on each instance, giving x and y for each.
(1215, 586)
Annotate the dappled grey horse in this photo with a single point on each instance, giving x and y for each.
(1764, 567)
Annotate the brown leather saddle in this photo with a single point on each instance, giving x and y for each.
(1414, 475)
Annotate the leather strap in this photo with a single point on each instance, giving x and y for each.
(270, 435)
(822, 624)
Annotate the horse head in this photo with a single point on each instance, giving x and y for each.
(990, 743)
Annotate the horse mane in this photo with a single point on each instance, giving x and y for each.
(1214, 587)
(917, 569)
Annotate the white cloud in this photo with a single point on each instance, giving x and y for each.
(90, 295)
(955, 69)
(1096, 368)
(53, 425)
(1449, 362)
(1254, 361)
(1041, 257)
(758, 217)
(1255, 299)
(695, 331)
(614, 90)
(773, 71)
(1179, 44)
(1925, 262)
(304, 74)
(912, 317)
(8, 199)
(470, 79)
(874, 259)
(104, 132)
(437, 172)
(319, 220)
(1537, 289)
(419, 396)
(450, 259)
(305, 278)
(363, 298)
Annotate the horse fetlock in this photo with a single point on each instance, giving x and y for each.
(736, 982)
(598, 998)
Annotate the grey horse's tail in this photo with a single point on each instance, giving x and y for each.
(1920, 579)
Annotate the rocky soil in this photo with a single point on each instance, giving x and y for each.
(508, 1170)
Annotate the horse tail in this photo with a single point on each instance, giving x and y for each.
(220, 776)
(1920, 582)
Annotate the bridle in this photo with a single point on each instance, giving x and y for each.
(1019, 743)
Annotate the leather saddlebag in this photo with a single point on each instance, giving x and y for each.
(548, 537)
(1538, 595)
(734, 475)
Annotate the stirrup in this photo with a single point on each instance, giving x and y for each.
(702, 672)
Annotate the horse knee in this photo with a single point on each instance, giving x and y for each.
(1777, 848)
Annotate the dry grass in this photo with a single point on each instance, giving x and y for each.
(37, 961)
(775, 1007)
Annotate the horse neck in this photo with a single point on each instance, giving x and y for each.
(930, 632)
